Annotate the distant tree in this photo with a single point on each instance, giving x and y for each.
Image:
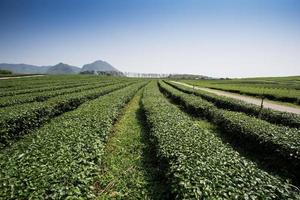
(87, 72)
(3, 71)
(110, 73)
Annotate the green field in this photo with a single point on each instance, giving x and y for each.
(103, 137)
(284, 89)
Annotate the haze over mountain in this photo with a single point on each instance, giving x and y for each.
(60, 68)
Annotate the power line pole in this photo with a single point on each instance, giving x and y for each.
(261, 105)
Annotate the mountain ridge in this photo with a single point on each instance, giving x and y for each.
(99, 65)
(24, 68)
(60, 68)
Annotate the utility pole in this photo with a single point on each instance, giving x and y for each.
(261, 105)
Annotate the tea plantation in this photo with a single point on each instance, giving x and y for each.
(105, 137)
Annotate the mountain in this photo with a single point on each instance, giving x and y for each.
(99, 65)
(62, 68)
(24, 68)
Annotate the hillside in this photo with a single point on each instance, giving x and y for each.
(24, 68)
(62, 68)
(99, 65)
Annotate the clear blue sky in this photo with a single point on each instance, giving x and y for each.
(233, 38)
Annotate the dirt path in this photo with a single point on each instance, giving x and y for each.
(248, 99)
(12, 77)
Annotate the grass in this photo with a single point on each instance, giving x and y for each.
(129, 170)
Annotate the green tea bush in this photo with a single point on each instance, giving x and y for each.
(52, 87)
(18, 120)
(198, 164)
(276, 117)
(278, 144)
(44, 95)
(61, 160)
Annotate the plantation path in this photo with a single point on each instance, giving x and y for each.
(248, 99)
(128, 170)
(12, 77)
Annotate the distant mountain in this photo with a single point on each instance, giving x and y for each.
(24, 68)
(62, 68)
(99, 66)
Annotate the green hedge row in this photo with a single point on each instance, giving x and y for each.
(16, 121)
(198, 165)
(61, 160)
(277, 144)
(272, 116)
(52, 87)
(35, 82)
(43, 96)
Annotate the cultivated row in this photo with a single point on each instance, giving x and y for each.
(278, 145)
(61, 160)
(277, 117)
(44, 95)
(198, 165)
(52, 87)
(18, 120)
(15, 85)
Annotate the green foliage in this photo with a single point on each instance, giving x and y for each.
(3, 71)
(44, 95)
(198, 164)
(64, 158)
(61, 160)
(49, 87)
(49, 81)
(277, 143)
(87, 72)
(276, 117)
(18, 120)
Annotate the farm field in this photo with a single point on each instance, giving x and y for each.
(105, 137)
(283, 89)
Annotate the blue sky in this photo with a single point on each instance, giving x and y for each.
(232, 38)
